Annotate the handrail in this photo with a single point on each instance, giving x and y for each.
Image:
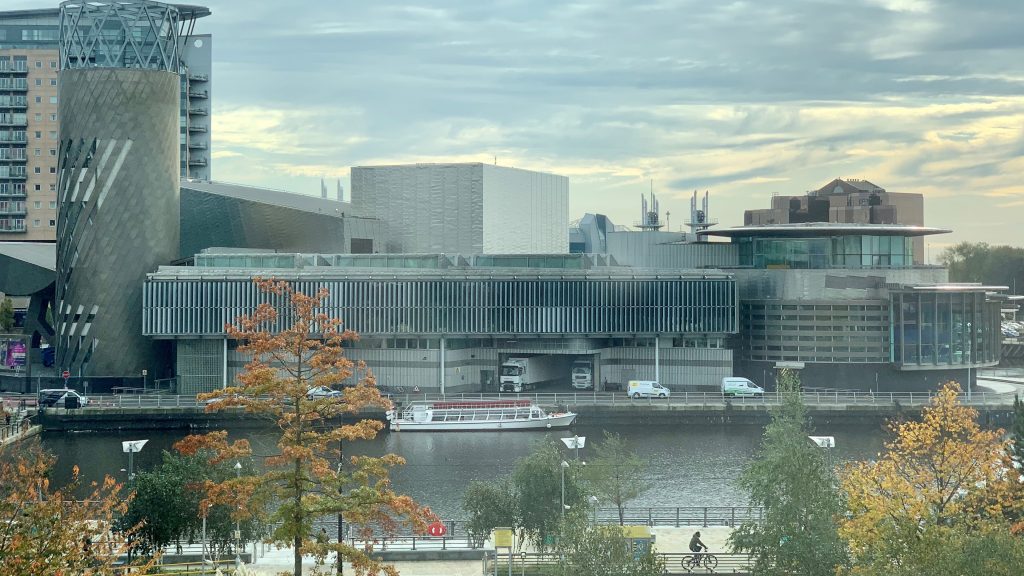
(812, 399)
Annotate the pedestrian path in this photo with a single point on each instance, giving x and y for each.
(666, 540)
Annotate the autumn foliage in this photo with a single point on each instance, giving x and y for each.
(293, 347)
(941, 481)
(47, 531)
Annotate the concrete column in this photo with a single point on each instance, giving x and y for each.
(224, 384)
(442, 365)
(657, 357)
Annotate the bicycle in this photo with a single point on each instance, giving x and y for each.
(696, 560)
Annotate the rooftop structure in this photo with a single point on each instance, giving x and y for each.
(849, 201)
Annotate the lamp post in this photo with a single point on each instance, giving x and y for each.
(593, 503)
(238, 525)
(564, 467)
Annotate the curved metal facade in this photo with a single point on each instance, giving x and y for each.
(118, 195)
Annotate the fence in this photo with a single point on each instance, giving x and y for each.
(537, 564)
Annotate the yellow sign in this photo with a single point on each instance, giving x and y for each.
(502, 537)
(634, 532)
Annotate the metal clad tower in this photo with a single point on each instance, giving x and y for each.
(118, 183)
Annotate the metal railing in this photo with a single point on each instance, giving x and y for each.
(533, 563)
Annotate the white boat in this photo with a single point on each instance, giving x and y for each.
(489, 415)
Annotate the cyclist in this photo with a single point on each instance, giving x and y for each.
(696, 546)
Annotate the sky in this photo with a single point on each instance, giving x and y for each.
(745, 99)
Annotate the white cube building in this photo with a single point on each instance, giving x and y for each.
(470, 208)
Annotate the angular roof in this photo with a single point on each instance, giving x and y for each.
(27, 267)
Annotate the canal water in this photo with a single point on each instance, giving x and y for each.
(685, 466)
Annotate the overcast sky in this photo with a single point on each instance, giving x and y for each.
(744, 99)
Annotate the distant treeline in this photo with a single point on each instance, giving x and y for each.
(992, 265)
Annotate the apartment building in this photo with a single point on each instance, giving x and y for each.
(29, 139)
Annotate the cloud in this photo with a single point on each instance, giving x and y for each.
(744, 98)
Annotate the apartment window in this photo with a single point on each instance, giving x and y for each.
(35, 223)
(39, 100)
(53, 151)
(53, 187)
(39, 63)
(39, 81)
(53, 204)
(53, 169)
(53, 81)
(53, 64)
(37, 204)
(53, 99)
(38, 188)
(37, 170)
(38, 134)
(53, 223)
(37, 151)
(39, 117)
(53, 117)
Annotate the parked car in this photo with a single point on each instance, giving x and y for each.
(62, 398)
(323, 392)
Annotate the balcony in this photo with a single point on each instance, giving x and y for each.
(198, 129)
(197, 146)
(21, 68)
(12, 209)
(197, 162)
(198, 111)
(12, 224)
(199, 94)
(14, 84)
(197, 77)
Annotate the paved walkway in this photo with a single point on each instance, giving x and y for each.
(667, 539)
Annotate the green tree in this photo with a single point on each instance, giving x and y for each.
(6, 315)
(490, 505)
(294, 347)
(529, 500)
(980, 262)
(586, 550)
(168, 504)
(798, 490)
(615, 473)
(538, 484)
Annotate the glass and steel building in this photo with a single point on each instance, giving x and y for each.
(30, 63)
(848, 305)
(447, 321)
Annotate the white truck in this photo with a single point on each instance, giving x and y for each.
(583, 375)
(522, 374)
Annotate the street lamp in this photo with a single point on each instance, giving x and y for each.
(593, 503)
(238, 526)
(564, 467)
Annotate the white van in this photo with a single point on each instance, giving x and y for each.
(638, 388)
(734, 386)
(58, 397)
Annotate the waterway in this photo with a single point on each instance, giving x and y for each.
(686, 466)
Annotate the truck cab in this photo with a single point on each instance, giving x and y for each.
(583, 375)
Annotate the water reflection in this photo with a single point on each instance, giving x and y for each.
(687, 466)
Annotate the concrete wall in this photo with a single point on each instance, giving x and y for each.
(524, 212)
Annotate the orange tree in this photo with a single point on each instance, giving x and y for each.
(294, 347)
(47, 531)
(938, 483)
